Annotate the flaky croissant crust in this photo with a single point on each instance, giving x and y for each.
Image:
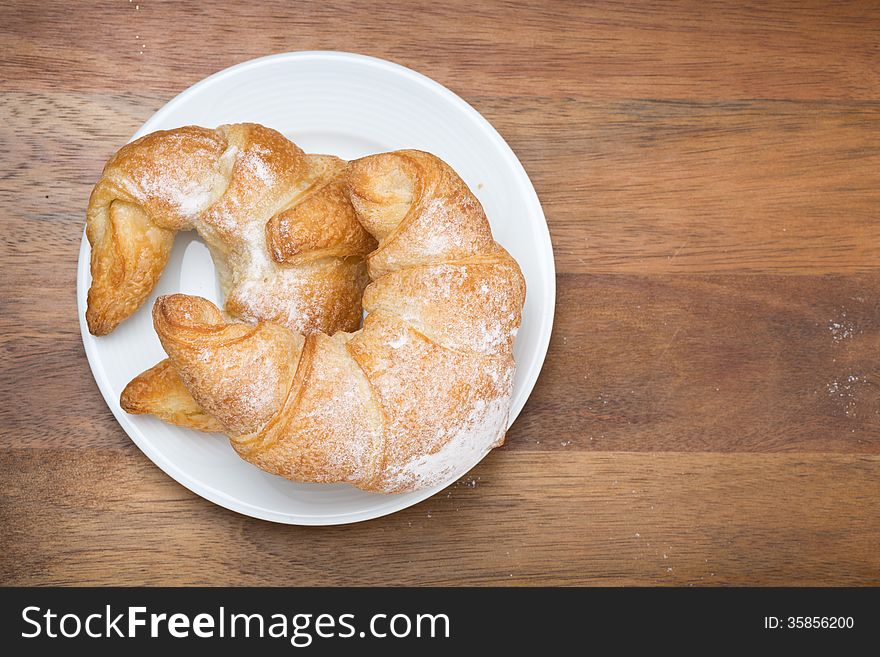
(281, 230)
(419, 392)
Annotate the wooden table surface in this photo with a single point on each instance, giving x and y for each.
(709, 410)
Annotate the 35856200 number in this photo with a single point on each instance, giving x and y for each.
(820, 622)
(809, 622)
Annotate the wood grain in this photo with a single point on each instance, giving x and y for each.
(710, 363)
(709, 411)
(695, 49)
(727, 363)
(752, 186)
(519, 518)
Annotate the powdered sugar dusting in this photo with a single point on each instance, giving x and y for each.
(304, 299)
(441, 240)
(398, 342)
(250, 389)
(467, 307)
(333, 421)
(188, 196)
(261, 289)
(253, 160)
(473, 439)
(491, 336)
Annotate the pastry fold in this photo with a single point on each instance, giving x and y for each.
(238, 186)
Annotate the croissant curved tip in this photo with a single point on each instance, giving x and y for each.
(98, 329)
(100, 322)
(128, 400)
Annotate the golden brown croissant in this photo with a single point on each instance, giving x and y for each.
(420, 392)
(279, 225)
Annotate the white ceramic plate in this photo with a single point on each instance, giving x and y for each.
(348, 105)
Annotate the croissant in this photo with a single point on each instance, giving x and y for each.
(417, 394)
(280, 228)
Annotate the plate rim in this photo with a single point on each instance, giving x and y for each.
(220, 497)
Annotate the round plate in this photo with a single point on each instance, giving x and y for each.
(348, 105)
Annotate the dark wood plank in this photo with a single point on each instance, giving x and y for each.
(689, 49)
(637, 363)
(637, 187)
(757, 186)
(710, 363)
(81, 517)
